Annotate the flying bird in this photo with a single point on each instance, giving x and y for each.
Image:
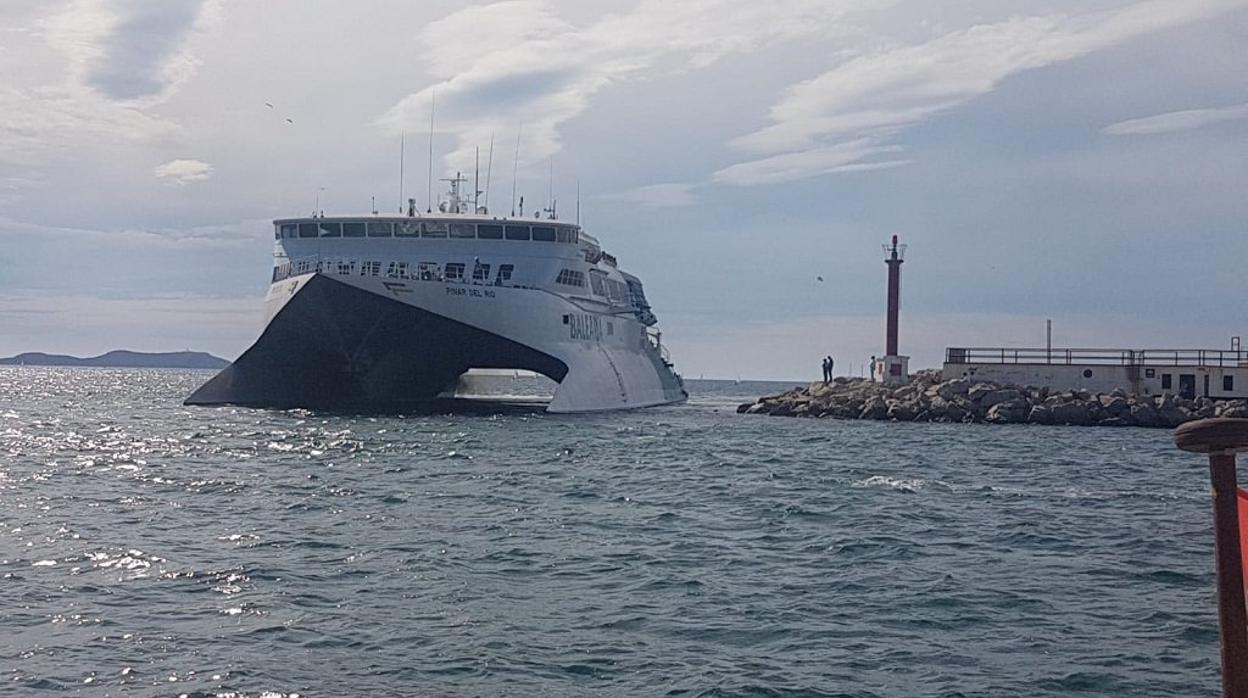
(819, 279)
(269, 105)
(290, 120)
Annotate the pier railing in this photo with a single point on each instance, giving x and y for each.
(1102, 357)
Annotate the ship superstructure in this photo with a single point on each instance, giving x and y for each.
(387, 312)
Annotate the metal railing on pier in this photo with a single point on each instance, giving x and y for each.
(1101, 357)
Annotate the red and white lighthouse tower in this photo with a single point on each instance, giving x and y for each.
(892, 367)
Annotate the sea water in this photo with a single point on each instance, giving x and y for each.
(150, 549)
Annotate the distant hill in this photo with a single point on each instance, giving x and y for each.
(122, 359)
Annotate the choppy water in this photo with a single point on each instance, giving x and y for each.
(147, 549)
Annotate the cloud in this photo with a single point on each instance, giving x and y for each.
(121, 57)
(831, 159)
(1177, 121)
(657, 195)
(184, 171)
(876, 95)
(130, 50)
(529, 67)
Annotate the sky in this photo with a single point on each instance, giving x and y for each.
(1084, 162)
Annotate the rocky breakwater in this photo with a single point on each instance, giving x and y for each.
(928, 399)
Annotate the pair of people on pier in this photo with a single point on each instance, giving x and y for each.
(827, 369)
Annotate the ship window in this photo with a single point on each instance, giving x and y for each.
(428, 271)
(346, 268)
(463, 230)
(307, 230)
(569, 277)
(435, 229)
(380, 229)
(504, 272)
(1150, 373)
(596, 282)
(1087, 373)
(407, 229)
(543, 233)
(454, 271)
(290, 230)
(517, 232)
(563, 234)
(331, 230)
(353, 230)
(481, 272)
(1228, 383)
(1165, 381)
(490, 232)
(617, 290)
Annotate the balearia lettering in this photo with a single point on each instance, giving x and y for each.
(585, 327)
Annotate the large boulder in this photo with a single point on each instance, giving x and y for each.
(902, 411)
(1010, 412)
(1040, 414)
(998, 396)
(1144, 414)
(1114, 406)
(958, 387)
(1075, 412)
(979, 390)
(950, 410)
(874, 408)
(1232, 408)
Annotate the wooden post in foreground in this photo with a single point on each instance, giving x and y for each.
(1221, 439)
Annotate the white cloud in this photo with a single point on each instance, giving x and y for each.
(1177, 121)
(115, 59)
(657, 195)
(532, 68)
(128, 50)
(832, 159)
(877, 94)
(184, 171)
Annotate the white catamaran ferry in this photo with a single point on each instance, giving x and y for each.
(387, 312)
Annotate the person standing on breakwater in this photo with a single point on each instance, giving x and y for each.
(827, 370)
(831, 364)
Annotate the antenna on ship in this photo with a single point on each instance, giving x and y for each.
(433, 102)
(476, 183)
(550, 189)
(578, 202)
(489, 169)
(402, 137)
(515, 161)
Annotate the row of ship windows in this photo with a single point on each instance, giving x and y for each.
(599, 283)
(427, 229)
(451, 271)
(422, 271)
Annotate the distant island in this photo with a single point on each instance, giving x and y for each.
(121, 359)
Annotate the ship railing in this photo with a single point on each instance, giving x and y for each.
(1102, 357)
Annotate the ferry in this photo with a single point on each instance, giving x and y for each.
(387, 312)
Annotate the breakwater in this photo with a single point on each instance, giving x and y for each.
(927, 398)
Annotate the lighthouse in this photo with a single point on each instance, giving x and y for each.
(892, 367)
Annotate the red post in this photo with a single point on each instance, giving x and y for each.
(1221, 438)
(1232, 613)
(894, 262)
